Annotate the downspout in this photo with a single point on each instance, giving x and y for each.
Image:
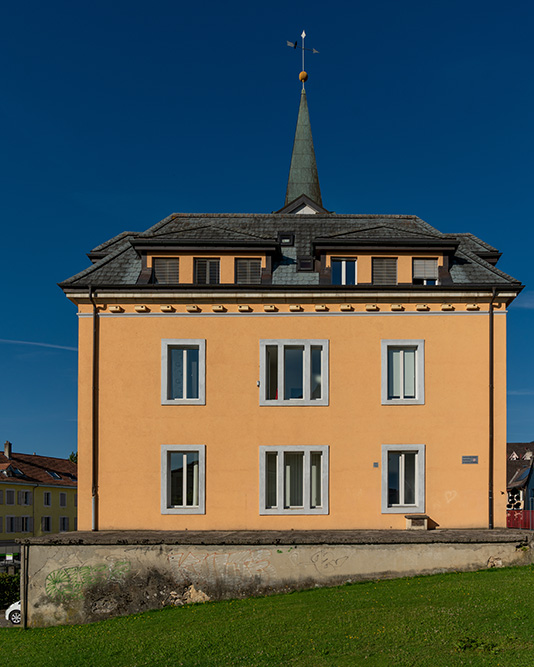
(491, 431)
(25, 583)
(94, 413)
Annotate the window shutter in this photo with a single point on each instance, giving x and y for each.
(425, 269)
(18, 524)
(30, 498)
(248, 271)
(20, 497)
(1, 527)
(384, 270)
(166, 270)
(43, 524)
(1, 498)
(30, 524)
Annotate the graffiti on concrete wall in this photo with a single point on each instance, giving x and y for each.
(326, 562)
(69, 583)
(236, 565)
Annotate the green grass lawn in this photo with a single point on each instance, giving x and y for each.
(475, 618)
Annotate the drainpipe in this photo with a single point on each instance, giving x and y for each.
(25, 582)
(491, 406)
(94, 413)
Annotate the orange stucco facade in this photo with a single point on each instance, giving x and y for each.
(133, 424)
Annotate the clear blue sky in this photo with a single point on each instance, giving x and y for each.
(116, 114)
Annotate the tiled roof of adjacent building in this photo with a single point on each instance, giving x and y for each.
(35, 469)
(117, 263)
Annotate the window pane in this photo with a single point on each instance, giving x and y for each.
(350, 272)
(316, 362)
(192, 479)
(336, 272)
(293, 478)
(394, 373)
(176, 372)
(293, 372)
(192, 372)
(271, 392)
(270, 481)
(393, 478)
(409, 478)
(315, 491)
(201, 271)
(409, 373)
(213, 271)
(176, 466)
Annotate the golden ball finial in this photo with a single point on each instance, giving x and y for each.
(303, 76)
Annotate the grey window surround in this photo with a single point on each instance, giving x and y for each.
(10, 496)
(47, 499)
(63, 524)
(46, 524)
(199, 343)
(419, 346)
(419, 505)
(63, 499)
(165, 479)
(306, 400)
(307, 450)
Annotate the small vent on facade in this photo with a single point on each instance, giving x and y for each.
(384, 270)
(248, 271)
(207, 271)
(165, 270)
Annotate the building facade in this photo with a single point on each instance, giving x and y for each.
(294, 370)
(38, 495)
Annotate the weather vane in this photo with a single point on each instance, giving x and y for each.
(303, 76)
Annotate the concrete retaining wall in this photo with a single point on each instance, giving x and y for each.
(79, 583)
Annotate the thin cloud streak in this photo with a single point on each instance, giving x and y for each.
(521, 392)
(27, 342)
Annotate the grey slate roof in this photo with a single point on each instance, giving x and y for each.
(117, 262)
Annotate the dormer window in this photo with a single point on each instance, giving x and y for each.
(305, 263)
(248, 271)
(207, 271)
(165, 270)
(53, 474)
(343, 272)
(384, 270)
(425, 271)
(286, 239)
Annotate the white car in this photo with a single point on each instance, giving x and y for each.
(13, 613)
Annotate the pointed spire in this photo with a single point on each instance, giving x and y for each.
(303, 178)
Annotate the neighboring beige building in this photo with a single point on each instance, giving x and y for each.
(293, 370)
(38, 495)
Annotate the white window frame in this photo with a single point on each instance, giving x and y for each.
(307, 344)
(168, 343)
(344, 261)
(166, 507)
(419, 347)
(419, 506)
(306, 508)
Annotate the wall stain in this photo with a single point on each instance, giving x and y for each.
(69, 583)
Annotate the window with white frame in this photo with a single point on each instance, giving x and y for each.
(63, 500)
(343, 271)
(46, 524)
(24, 497)
(63, 524)
(183, 479)
(403, 479)
(10, 497)
(294, 372)
(425, 271)
(294, 480)
(183, 371)
(26, 524)
(47, 498)
(403, 372)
